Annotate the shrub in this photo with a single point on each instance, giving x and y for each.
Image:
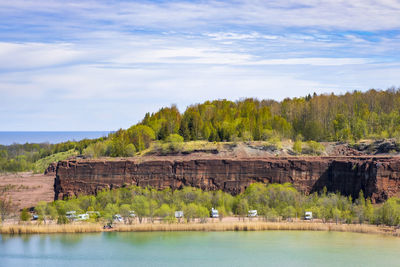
(25, 215)
(297, 147)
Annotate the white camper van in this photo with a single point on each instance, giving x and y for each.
(71, 215)
(83, 217)
(178, 214)
(308, 215)
(214, 213)
(252, 213)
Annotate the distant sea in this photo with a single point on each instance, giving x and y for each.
(8, 138)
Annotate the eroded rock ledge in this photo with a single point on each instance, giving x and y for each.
(378, 177)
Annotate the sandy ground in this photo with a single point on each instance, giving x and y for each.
(26, 189)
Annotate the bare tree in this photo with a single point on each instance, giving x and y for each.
(5, 208)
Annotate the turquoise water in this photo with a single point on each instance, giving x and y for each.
(8, 138)
(269, 248)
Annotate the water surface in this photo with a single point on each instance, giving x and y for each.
(269, 248)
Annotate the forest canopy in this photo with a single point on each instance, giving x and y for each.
(326, 117)
(349, 117)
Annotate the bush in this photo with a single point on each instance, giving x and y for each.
(314, 148)
(174, 142)
(62, 219)
(297, 147)
(25, 216)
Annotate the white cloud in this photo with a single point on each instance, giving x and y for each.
(220, 36)
(314, 61)
(36, 55)
(368, 15)
(96, 65)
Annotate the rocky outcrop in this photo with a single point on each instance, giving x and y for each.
(51, 169)
(378, 177)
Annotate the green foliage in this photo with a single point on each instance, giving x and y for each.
(25, 216)
(389, 213)
(141, 136)
(174, 138)
(141, 206)
(242, 207)
(191, 211)
(352, 116)
(349, 117)
(40, 210)
(62, 219)
(297, 147)
(273, 202)
(110, 210)
(314, 148)
(36, 157)
(42, 164)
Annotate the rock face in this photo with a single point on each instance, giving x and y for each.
(378, 177)
(51, 169)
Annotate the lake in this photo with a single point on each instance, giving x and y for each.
(264, 248)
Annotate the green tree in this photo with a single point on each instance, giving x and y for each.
(166, 212)
(110, 210)
(25, 216)
(40, 209)
(125, 211)
(141, 207)
(51, 211)
(221, 212)
(289, 212)
(141, 136)
(202, 213)
(190, 211)
(152, 209)
(242, 208)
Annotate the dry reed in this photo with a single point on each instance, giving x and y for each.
(50, 229)
(212, 226)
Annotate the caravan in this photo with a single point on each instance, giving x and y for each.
(214, 213)
(252, 213)
(82, 217)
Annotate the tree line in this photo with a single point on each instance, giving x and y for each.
(30, 156)
(273, 202)
(327, 117)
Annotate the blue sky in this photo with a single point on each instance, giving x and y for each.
(101, 65)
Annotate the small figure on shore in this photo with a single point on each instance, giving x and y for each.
(108, 226)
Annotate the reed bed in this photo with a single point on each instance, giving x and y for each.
(50, 229)
(213, 226)
(255, 226)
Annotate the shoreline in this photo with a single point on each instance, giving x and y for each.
(19, 229)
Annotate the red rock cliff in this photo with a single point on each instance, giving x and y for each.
(378, 177)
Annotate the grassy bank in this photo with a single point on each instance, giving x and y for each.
(217, 226)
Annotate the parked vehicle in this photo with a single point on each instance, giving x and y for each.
(71, 215)
(179, 214)
(214, 213)
(132, 213)
(35, 217)
(118, 218)
(308, 215)
(252, 213)
(82, 217)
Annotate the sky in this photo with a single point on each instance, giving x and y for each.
(101, 65)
